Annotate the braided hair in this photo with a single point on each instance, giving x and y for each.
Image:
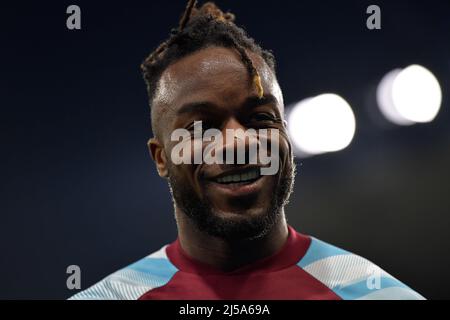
(199, 28)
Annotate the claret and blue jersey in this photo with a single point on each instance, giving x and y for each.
(305, 268)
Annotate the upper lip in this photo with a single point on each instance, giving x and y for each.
(235, 170)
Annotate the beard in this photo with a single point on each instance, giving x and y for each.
(201, 212)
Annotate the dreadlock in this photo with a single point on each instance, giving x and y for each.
(199, 28)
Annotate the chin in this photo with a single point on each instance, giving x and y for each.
(240, 214)
(242, 224)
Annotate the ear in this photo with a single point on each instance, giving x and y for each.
(159, 156)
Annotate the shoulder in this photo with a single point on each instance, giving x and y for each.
(350, 276)
(132, 282)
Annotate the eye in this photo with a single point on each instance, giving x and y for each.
(264, 117)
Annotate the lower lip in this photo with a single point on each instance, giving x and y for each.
(239, 189)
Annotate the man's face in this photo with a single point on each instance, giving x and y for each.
(212, 86)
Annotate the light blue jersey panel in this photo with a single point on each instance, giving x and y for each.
(352, 277)
(133, 281)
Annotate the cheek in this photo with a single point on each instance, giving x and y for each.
(284, 143)
(184, 177)
(286, 152)
(180, 157)
(182, 173)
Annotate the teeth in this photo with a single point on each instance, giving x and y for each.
(253, 174)
(247, 176)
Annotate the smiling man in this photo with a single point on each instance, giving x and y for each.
(233, 238)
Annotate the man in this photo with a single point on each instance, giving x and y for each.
(233, 239)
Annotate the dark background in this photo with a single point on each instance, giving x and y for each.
(77, 183)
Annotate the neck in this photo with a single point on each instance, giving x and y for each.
(228, 255)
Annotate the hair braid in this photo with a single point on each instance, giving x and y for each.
(199, 28)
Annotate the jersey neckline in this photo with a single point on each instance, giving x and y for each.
(289, 255)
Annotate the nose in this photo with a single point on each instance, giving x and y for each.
(238, 143)
(232, 125)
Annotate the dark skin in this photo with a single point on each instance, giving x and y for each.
(213, 85)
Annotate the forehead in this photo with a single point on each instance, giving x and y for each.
(216, 74)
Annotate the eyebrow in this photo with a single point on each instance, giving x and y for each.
(206, 106)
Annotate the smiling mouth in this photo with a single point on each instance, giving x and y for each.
(242, 177)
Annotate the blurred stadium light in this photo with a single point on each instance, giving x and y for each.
(321, 124)
(408, 96)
